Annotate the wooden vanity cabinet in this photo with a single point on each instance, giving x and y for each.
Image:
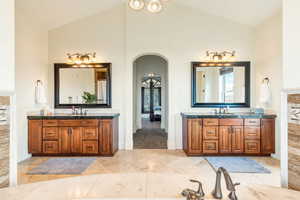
(73, 137)
(228, 136)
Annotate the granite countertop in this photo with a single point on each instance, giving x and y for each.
(230, 115)
(71, 116)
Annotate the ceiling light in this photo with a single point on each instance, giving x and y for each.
(136, 4)
(155, 6)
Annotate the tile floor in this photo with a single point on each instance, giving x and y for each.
(144, 174)
(160, 162)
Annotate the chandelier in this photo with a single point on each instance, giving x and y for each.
(153, 6)
(220, 56)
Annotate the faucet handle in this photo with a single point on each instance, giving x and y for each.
(236, 184)
(200, 188)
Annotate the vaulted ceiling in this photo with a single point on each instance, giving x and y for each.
(54, 13)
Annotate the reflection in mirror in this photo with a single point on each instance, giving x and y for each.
(220, 84)
(217, 84)
(83, 85)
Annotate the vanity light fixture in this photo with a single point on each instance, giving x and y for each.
(153, 6)
(81, 59)
(224, 56)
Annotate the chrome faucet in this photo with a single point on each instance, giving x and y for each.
(222, 110)
(217, 192)
(192, 194)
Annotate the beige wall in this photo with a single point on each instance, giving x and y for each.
(31, 65)
(7, 46)
(121, 35)
(268, 62)
(291, 32)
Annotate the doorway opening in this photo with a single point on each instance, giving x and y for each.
(150, 102)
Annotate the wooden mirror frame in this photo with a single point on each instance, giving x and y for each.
(58, 66)
(245, 64)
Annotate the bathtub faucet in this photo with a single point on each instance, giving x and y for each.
(192, 194)
(217, 192)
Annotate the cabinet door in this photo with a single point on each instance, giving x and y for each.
(252, 146)
(50, 147)
(268, 136)
(35, 136)
(90, 133)
(237, 139)
(252, 132)
(50, 133)
(105, 139)
(210, 146)
(76, 140)
(64, 139)
(90, 147)
(210, 133)
(195, 136)
(225, 139)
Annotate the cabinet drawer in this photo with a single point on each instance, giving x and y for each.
(50, 147)
(211, 122)
(211, 146)
(50, 133)
(69, 123)
(90, 133)
(252, 132)
(252, 146)
(231, 122)
(90, 147)
(210, 132)
(252, 122)
(50, 123)
(89, 122)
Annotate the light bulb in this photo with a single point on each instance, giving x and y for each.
(154, 6)
(136, 4)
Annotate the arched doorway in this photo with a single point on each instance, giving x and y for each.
(150, 102)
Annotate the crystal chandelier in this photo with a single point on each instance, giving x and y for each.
(153, 6)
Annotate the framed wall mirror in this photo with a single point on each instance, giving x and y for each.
(217, 84)
(88, 86)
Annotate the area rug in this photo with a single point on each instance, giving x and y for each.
(63, 166)
(237, 165)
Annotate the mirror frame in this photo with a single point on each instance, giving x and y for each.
(58, 66)
(245, 64)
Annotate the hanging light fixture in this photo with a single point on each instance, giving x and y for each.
(136, 4)
(154, 6)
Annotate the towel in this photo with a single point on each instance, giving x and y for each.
(265, 94)
(40, 96)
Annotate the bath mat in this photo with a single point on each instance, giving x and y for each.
(63, 166)
(237, 165)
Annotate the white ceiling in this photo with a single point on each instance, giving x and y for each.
(250, 12)
(54, 13)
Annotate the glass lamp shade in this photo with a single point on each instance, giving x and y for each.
(136, 4)
(155, 6)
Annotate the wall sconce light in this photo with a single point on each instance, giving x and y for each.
(79, 59)
(220, 56)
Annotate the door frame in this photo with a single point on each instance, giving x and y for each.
(130, 113)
